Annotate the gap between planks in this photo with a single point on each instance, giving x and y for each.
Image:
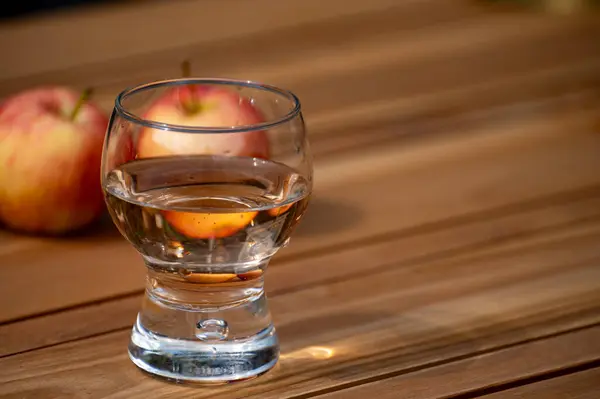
(421, 343)
(468, 241)
(474, 174)
(456, 363)
(579, 382)
(484, 373)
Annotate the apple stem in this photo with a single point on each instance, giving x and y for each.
(85, 95)
(192, 106)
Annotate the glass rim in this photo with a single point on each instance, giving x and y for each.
(132, 117)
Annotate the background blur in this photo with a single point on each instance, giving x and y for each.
(457, 186)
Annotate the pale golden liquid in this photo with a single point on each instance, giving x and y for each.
(201, 214)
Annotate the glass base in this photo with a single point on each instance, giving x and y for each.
(203, 362)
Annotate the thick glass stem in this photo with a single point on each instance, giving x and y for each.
(205, 327)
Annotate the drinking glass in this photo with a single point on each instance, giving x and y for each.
(207, 179)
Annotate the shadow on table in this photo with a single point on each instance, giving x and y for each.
(101, 229)
(324, 216)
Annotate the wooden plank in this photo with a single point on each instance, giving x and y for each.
(465, 65)
(581, 385)
(468, 107)
(174, 24)
(53, 267)
(406, 317)
(107, 371)
(485, 233)
(436, 59)
(468, 378)
(398, 289)
(218, 52)
(449, 55)
(498, 167)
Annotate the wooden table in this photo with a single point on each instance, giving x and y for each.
(452, 247)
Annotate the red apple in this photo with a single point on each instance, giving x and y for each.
(50, 161)
(204, 106)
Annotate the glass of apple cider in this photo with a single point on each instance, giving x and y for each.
(207, 179)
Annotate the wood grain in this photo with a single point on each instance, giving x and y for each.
(51, 36)
(415, 48)
(582, 385)
(480, 172)
(406, 316)
(494, 370)
(428, 244)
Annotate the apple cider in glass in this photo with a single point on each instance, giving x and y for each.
(206, 214)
